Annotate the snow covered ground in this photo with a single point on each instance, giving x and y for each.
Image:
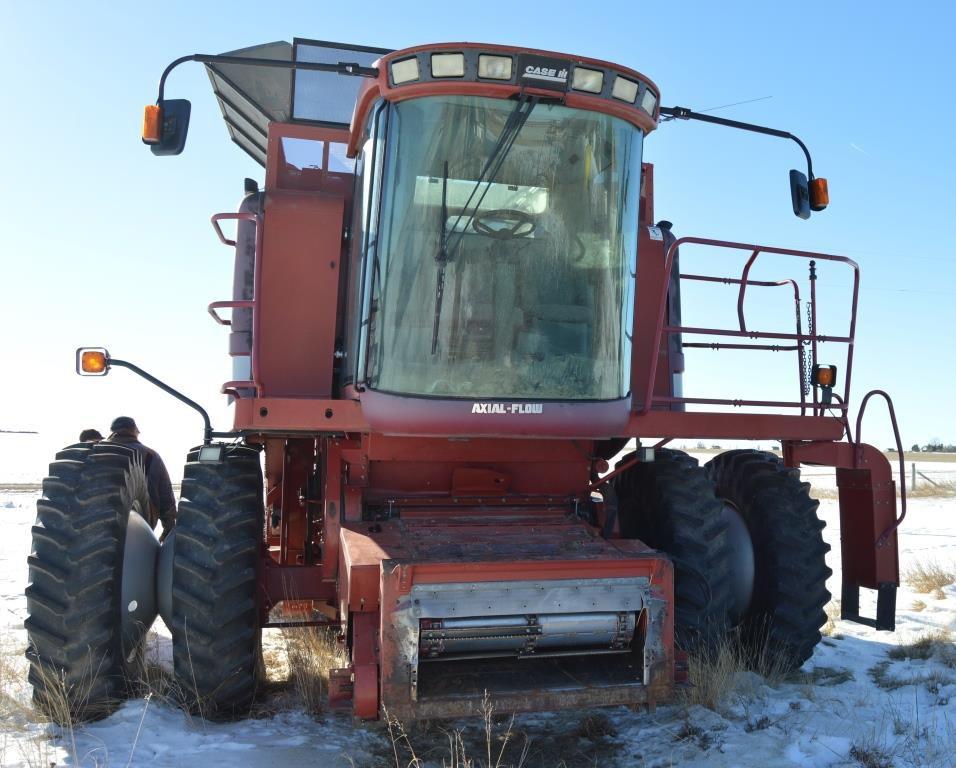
(860, 701)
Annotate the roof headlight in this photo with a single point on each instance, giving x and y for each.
(624, 89)
(405, 71)
(494, 67)
(589, 80)
(448, 65)
(649, 101)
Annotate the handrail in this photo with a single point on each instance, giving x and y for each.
(812, 337)
(217, 217)
(213, 306)
(252, 303)
(743, 281)
(885, 536)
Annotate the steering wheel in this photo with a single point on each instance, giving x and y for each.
(517, 223)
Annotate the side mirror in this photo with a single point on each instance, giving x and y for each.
(165, 126)
(800, 194)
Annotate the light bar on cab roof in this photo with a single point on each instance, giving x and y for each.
(405, 71)
(588, 80)
(625, 90)
(551, 73)
(494, 67)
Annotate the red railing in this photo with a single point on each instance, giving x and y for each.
(233, 387)
(801, 340)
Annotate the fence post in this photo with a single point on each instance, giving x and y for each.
(913, 481)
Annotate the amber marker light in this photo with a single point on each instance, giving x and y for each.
(819, 194)
(152, 124)
(824, 375)
(92, 361)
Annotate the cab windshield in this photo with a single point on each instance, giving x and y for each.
(506, 248)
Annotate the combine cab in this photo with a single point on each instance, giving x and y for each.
(452, 309)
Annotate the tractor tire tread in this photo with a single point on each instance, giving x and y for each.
(787, 609)
(74, 636)
(670, 505)
(216, 635)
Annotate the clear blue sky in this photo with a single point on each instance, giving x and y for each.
(105, 244)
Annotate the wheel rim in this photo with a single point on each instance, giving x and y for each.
(138, 586)
(741, 561)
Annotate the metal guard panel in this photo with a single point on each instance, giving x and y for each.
(498, 598)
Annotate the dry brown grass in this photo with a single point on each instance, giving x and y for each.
(714, 676)
(34, 733)
(918, 606)
(311, 652)
(496, 745)
(930, 577)
(927, 490)
(833, 613)
(493, 740)
(937, 643)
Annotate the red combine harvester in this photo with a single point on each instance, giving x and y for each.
(452, 308)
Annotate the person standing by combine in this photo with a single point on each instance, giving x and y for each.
(162, 501)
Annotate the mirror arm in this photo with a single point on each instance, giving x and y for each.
(683, 113)
(342, 67)
(207, 425)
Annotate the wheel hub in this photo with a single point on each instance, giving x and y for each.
(741, 561)
(138, 587)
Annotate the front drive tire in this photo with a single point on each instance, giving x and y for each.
(80, 667)
(216, 631)
(782, 624)
(670, 505)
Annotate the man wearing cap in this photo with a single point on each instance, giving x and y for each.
(162, 501)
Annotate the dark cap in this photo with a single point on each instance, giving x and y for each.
(123, 424)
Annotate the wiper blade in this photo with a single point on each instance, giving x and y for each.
(515, 122)
(441, 257)
(516, 119)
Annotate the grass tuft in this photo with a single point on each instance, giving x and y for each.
(935, 643)
(311, 653)
(495, 745)
(869, 756)
(930, 577)
(714, 676)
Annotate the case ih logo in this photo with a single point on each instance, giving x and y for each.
(515, 408)
(546, 73)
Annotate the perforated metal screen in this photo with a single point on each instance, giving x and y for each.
(328, 97)
(251, 96)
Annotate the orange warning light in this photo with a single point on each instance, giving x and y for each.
(819, 194)
(152, 124)
(92, 362)
(824, 375)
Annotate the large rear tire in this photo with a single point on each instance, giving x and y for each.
(81, 665)
(670, 505)
(782, 624)
(216, 632)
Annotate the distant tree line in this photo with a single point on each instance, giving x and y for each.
(934, 446)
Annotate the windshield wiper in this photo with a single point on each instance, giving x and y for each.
(516, 119)
(441, 257)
